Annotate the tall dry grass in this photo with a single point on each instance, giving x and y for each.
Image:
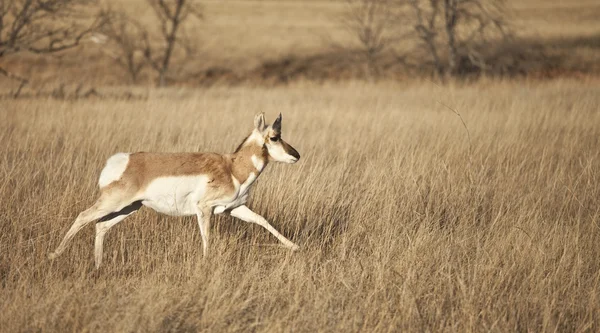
(404, 225)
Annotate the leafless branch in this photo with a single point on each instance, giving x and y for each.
(139, 45)
(44, 26)
(127, 38)
(479, 23)
(22, 81)
(372, 23)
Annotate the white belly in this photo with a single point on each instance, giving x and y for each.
(177, 196)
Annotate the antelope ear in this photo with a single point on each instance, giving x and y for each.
(277, 124)
(259, 121)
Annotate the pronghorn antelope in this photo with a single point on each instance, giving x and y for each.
(183, 184)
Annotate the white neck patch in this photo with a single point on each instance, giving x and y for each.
(259, 164)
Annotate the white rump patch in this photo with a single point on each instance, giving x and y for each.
(259, 164)
(115, 166)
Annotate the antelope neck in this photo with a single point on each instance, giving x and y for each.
(251, 158)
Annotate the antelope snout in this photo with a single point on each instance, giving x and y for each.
(294, 156)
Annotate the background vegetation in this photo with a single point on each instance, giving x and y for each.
(274, 42)
(408, 219)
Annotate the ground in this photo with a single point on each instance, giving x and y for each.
(407, 219)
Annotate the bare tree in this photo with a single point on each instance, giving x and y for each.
(141, 44)
(468, 27)
(42, 26)
(127, 36)
(426, 28)
(371, 22)
(171, 15)
(454, 33)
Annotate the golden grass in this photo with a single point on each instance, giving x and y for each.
(402, 228)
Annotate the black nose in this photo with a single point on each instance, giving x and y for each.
(294, 153)
(290, 150)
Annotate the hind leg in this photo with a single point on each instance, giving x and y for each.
(108, 203)
(108, 222)
(93, 213)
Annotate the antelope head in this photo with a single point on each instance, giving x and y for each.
(279, 150)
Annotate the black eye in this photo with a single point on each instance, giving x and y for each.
(274, 139)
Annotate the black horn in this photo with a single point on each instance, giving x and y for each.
(277, 124)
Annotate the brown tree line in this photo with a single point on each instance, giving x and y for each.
(452, 34)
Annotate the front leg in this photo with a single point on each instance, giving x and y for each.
(204, 213)
(245, 214)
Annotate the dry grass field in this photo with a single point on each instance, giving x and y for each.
(403, 224)
(468, 207)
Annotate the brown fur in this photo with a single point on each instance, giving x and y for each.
(242, 160)
(144, 167)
